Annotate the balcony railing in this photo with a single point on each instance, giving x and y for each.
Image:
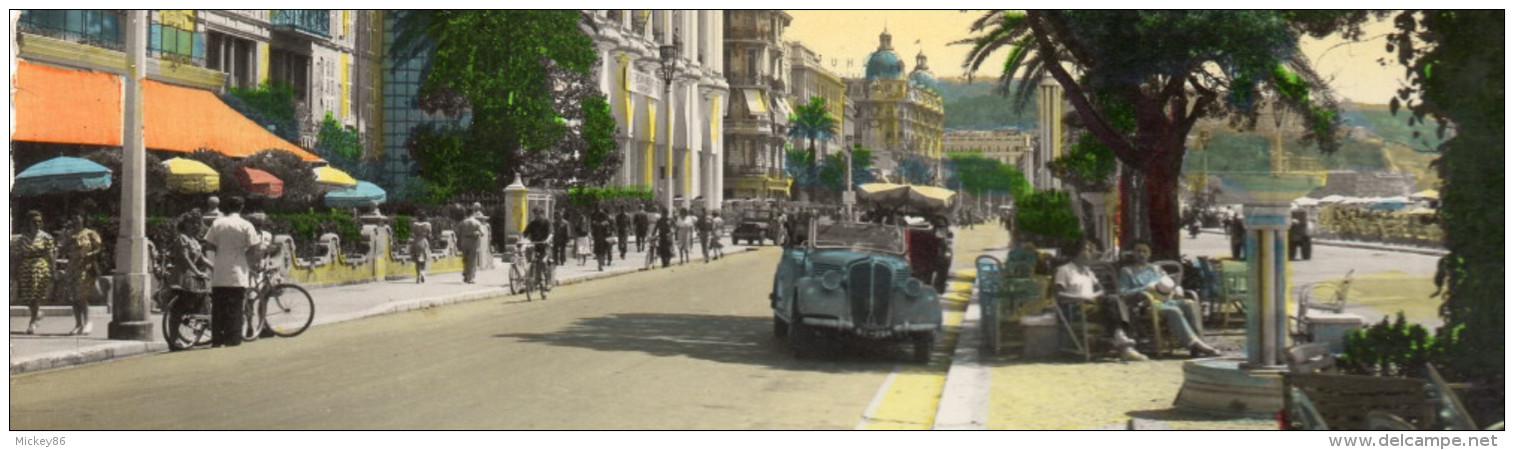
(312, 21)
(94, 27)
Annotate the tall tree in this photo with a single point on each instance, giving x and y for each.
(811, 122)
(1454, 65)
(507, 69)
(1139, 80)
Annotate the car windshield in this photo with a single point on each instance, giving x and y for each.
(858, 236)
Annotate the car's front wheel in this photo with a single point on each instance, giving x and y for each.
(801, 337)
(780, 328)
(923, 343)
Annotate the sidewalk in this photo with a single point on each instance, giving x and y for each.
(50, 348)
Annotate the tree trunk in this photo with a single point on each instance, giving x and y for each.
(1161, 207)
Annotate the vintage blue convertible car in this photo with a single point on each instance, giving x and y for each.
(852, 279)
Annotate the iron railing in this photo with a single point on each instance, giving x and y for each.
(312, 21)
(94, 27)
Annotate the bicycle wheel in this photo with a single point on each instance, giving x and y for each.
(517, 279)
(287, 310)
(252, 321)
(184, 324)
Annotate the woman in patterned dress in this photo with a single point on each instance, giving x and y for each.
(83, 271)
(420, 246)
(34, 254)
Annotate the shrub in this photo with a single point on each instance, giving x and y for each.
(1046, 216)
(1392, 349)
(402, 228)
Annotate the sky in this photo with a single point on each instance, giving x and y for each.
(1352, 68)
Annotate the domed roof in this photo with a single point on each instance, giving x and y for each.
(883, 63)
(922, 77)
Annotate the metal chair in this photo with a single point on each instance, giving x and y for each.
(1235, 290)
(1336, 302)
(989, 280)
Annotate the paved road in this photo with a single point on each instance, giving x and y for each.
(1385, 281)
(687, 348)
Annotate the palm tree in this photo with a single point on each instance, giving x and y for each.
(813, 122)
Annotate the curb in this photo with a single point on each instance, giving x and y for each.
(1368, 246)
(68, 358)
(111, 350)
(964, 395)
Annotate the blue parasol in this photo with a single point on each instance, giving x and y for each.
(60, 175)
(356, 196)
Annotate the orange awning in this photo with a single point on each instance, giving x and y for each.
(67, 106)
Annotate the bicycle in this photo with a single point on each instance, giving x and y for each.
(286, 309)
(186, 315)
(537, 275)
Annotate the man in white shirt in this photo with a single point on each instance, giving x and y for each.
(236, 243)
(1076, 282)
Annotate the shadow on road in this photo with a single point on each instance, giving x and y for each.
(725, 339)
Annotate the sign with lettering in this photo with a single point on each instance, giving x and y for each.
(644, 83)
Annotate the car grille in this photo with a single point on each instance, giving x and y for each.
(870, 287)
(822, 268)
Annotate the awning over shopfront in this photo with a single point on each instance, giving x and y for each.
(755, 104)
(64, 106)
(781, 106)
(260, 183)
(190, 176)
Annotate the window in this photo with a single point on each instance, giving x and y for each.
(172, 43)
(87, 26)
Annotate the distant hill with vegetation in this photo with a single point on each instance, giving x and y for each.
(1388, 144)
(975, 106)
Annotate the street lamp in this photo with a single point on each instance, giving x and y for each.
(669, 56)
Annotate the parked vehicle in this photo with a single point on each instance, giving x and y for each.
(851, 279)
(755, 226)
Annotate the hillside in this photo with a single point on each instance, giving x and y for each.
(1388, 144)
(974, 106)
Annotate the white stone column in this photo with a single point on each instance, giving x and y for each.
(129, 319)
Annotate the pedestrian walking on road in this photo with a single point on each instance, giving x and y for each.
(470, 239)
(561, 235)
(1236, 228)
(83, 271)
(237, 243)
(702, 226)
(717, 231)
(639, 225)
(582, 230)
(622, 230)
(685, 234)
(600, 229)
(33, 256)
(420, 246)
(664, 238)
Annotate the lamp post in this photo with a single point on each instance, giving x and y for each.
(668, 54)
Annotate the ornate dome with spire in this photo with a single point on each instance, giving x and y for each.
(922, 77)
(883, 63)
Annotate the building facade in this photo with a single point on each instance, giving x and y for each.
(314, 51)
(808, 78)
(630, 76)
(756, 124)
(1008, 146)
(897, 116)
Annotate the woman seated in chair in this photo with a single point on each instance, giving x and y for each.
(1075, 282)
(1142, 280)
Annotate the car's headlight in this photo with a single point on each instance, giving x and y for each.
(831, 280)
(912, 287)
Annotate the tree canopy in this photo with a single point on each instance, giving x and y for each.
(1455, 76)
(519, 74)
(1139, 80)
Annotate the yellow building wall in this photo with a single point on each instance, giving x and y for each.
(345, 65)
(262, 63)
